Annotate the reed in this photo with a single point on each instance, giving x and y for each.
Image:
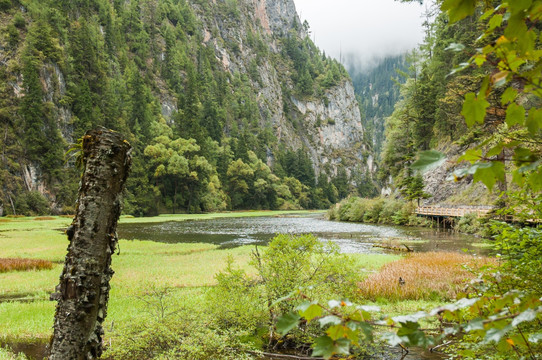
(17, 264)
(423, 276)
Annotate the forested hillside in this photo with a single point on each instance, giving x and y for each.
(228, 105)
(429, 113)
(377, 89)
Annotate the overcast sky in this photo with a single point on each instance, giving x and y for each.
(365, 28)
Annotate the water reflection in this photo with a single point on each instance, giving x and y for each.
(351, 237)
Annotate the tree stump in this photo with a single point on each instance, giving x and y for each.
(83, 290)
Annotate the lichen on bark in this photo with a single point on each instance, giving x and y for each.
(83, 290)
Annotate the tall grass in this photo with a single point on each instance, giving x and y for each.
(423, 276)
(24, 264)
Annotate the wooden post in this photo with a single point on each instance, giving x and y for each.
(83, 290)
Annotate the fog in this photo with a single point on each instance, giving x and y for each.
(359, 31)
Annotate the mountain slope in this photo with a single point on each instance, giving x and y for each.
(267, 112)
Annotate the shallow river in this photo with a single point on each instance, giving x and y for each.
(351, 237)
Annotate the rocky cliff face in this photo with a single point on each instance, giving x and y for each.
(328, 126)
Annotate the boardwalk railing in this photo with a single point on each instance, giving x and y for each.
(453, 211)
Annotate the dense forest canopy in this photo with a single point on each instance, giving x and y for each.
(377, 89)
(202, 139)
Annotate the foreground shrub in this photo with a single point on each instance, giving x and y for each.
(24, 265)
(185, 334)
(423, 276)
(290, 262)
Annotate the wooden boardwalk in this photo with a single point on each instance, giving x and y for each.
(459, 211)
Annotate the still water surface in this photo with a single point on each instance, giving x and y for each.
(351, 237)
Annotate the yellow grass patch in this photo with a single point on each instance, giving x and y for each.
(24, 264)
(44, 218)
(423, 276)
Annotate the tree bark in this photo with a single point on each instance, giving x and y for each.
(83, 290)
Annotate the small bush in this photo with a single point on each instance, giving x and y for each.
(289, 263)
(32, 203)
(19, 21)
(237, 302)
(5, 5)
(376, 211)
(469, 224)
(183, 335)
(24, 265)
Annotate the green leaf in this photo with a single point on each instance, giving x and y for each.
(459, 68)
(324, 346)
(474, 109)
(535, 180)
(408, 328)
(515, 114)
(534, 120)
(330, 320)
(336, 332)
(489, 173)
(410, 320)
(458, 9)
(342, 346)
(527, 315)
(518, 6)
(509, 95)
(313, 311)
(456, 47)
(495, 334)
(428, 160)
(495, 22)
(496, 150)
(287, 322)
(392, 339)
(535, 338)
(476, 324)
(516, 27)
(471, 155)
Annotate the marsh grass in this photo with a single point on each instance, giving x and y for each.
(19, 264)
(8, 354)
(188, 270)
(43, 218)
(423, 276)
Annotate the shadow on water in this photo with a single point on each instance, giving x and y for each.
(351, 237)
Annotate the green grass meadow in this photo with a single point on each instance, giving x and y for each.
(142, 270)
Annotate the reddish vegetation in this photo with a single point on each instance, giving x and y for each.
(44, 218)
(423, 276)
(24, 265)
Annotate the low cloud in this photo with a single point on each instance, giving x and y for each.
(359, 31)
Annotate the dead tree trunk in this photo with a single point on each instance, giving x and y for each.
(83, 290)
